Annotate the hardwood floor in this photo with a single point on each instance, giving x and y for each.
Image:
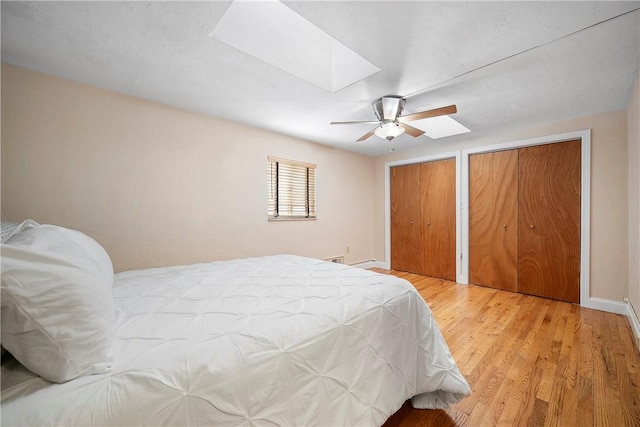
(530, 361)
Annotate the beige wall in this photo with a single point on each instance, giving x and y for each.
(609, 208)
(633, 133)
(159, 186)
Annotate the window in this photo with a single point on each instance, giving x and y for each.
(292, 189)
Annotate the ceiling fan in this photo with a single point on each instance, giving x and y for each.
(391, 124)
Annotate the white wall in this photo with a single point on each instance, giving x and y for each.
(609, 207)
(633, 134)
(160, 186)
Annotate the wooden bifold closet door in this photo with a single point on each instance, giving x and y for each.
(438, 195)
(524, 220)
(493, 219)
(406, 230)
(423, 218)
(549, 221)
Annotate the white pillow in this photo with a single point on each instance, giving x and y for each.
(58, 314)
(6, 229)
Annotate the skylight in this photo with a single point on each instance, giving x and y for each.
(440, 127)
(270, 31)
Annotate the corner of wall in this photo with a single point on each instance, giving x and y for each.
(635, 322)
(633, 249)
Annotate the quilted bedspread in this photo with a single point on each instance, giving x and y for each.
(274, 341)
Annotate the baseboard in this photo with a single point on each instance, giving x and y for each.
(365, 265)
(383, 265)
(635, 322)
(371, 264)
(607, 305)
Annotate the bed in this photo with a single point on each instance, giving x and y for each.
(276, 340)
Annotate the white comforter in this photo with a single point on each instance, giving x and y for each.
(279, 340)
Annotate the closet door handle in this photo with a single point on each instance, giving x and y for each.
(504, 226)
(532, 226)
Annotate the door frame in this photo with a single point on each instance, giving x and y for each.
(585, 203)
(387, 202)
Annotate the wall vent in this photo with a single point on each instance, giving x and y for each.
(336, 259)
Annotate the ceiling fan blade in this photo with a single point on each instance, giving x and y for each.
(411, 130)
(450, 109)
(366, 135)
(374, 122)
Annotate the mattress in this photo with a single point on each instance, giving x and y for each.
(278, 340)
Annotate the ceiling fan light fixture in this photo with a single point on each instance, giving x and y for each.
(389, 130)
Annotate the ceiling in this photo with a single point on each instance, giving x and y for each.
(504, 64)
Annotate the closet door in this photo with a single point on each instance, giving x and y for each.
(405, 218)
(549, 221)
(438, 194)
(493, 219)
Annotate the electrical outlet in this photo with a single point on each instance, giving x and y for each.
(348, 250)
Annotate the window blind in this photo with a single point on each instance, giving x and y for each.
(292, 189)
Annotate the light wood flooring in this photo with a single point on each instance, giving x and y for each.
(530, 361)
